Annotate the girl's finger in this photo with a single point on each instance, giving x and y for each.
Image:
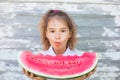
(32, 75)
(39, 78)
(27, 73)
(80, 78)
(89, 74)
(94, 69)
(23, 70)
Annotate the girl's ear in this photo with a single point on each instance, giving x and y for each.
(70, 33)
(46, 34)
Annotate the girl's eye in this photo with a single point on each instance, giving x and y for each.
(52, 31)
(63, 31)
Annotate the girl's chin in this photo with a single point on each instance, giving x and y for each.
(56, 47)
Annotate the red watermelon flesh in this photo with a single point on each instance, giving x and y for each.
(58, 66)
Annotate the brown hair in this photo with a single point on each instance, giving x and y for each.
(62, 16)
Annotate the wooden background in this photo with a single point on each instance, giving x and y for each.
(98, 30)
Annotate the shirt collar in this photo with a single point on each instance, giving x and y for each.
(53, 53)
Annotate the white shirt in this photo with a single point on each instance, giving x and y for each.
(50, 51)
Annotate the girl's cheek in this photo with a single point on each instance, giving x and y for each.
(64, 35)
(51, 34)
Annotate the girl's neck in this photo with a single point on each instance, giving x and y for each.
(59, 51)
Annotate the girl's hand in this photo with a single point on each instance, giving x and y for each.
(80, 78)
(86, 76)
(31, 75)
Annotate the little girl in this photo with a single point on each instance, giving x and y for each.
(58, 36)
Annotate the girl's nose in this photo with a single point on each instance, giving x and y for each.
(57, 36)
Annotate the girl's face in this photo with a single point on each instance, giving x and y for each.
(58, 34)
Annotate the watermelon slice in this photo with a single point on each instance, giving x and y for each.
(60, 67)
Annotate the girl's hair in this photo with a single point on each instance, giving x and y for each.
(60, 15)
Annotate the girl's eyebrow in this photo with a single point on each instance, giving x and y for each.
(64, 28)
(50, 28)
(60, 28)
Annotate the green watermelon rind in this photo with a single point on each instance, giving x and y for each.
(58, 77)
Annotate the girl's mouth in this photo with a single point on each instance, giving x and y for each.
(57, 43)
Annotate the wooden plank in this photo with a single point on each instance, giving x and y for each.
(68, 1)
(96, 44)
(20, 43)
(74, 8)
(79, 20)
